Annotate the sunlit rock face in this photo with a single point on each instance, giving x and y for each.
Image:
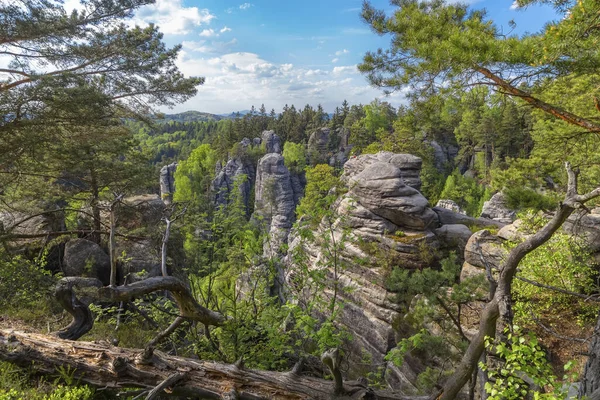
(382, 223)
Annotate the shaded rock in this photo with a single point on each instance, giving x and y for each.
(450, 205)
(272, 142)
(447, 217)
(586, 226)
(86, 258)
(144, 210)
(226, 178)
(409, 165)
(497, 209)
(484, 247)
(454, 237)
(381, 189)
(167, 182)
(139, 259)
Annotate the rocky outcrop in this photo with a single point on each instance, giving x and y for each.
(86, 258)
(232, 174)
(326, 146)
(272, 142)
(450, 205)
(274, 205)
(380, 188)
(167, 182)
(409, 166)
(384, 223)
(497, 209)
(443, 155)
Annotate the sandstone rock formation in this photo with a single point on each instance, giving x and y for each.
(167, 182)
(226, 178)
(274, 205)
(272, 142)
(86, 258)
(384, 223)
(497, 209)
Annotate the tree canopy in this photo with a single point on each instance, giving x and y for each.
(436, 45)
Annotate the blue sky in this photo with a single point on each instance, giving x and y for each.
(280, 52)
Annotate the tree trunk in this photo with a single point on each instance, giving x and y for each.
(103, 365)
(590, 382)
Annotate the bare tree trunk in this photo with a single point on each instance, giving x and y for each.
(117, 368)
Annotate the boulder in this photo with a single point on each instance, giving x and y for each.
(587, 226)
(455, 236)
(167, 182)
(86, 258)
(485, 248)
(409, 165)
(144, 210)
(381, 189)
(497, 209)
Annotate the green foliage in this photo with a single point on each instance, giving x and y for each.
(466, 192)
(16, 384)
(564, 262)
(319, 194)
(522, 356)
(519, 198)
(193, 177)
(24, 285)
(294, 156)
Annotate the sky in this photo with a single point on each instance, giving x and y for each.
(277, 52)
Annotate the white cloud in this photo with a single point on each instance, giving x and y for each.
(245, 6)
(208, 33)
(236, 81)
(514, 5)
(340, 52)
(225, 29)
(335, 60)
(172, 17)
(345, 69)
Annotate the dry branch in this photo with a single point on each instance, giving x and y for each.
(117, 369)
(82, 317)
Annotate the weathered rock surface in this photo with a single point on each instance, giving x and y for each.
(450, 205)
(384, 223)
(381, 189)
(329, 146)
(272, 142)
(86, 258)
(226, 179)
(409, 165)
(274, 200)
(497, 209)
(167, 182)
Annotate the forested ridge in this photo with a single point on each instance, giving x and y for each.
(445, 248)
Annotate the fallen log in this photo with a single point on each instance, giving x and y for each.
(106, 366)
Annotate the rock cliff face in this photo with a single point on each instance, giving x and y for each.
(167, 182)
(385, 223)
(226, 177)
(326, 146)
(275, 201)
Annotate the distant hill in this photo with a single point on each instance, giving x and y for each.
(192, 116)
(233, 114)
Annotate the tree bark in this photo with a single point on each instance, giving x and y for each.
(117, 368)
(590, 382)
(93, 289)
